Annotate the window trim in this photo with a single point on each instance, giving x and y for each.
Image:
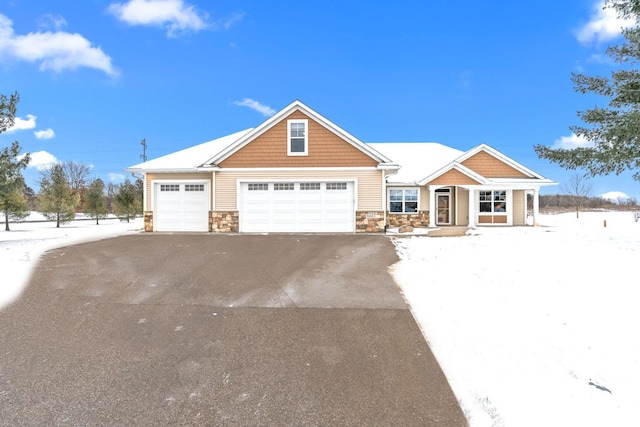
(404, 200)
(290, 137)
(494, 199)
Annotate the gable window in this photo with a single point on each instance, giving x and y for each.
(298, 144)
(493, 201)
(403, 200)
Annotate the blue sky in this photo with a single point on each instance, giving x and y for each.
(96, 77)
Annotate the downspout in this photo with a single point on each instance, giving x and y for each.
(384, 200)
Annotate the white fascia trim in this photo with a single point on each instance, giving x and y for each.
(317, 169)
(525, 181)
(403, 184)
(168, 170)
(500, 156)
(460, 168)
(388, 166)
(245, 180)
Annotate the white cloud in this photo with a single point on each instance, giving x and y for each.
(22, 124)
(42, 160)
(174, 15)
(45, 134)
(227, 23)
(265, 110)
(52, 21)
(57, 51)
(572, 141)
(604, 25)
(614, 196)
(116, 177)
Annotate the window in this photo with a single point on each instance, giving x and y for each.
(336, 185)
(169, 187)
(493, 201)
(259, 187)
(283, 186)
(194, 187)
(309, 186)
(403, 200)
(297, 137)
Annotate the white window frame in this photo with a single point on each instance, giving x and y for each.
(305, 122)
(403, 201)
(499, 196)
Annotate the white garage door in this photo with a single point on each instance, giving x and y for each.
(181, 207)
(297, 207)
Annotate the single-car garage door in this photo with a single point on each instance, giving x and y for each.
(181, 206)
(297, 207)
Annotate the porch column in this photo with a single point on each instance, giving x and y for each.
(432, 206)
(536, 205)
(472, 207)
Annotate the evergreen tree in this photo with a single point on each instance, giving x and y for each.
(14, 207)
(614, 132)
(8, 108)
(127, 204)
(11, 164)
(57, 201)
(95, 202)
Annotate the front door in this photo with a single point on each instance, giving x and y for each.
(443, 209)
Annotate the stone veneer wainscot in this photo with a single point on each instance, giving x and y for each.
(224, 222)
(419, 219)
(369, 222)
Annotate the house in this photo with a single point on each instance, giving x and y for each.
(299, 172)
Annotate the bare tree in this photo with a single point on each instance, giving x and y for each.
(579, 189)
(77, 175)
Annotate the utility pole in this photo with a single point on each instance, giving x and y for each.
(143, 156)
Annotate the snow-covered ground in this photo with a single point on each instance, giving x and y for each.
(21, 247)
(533, 326)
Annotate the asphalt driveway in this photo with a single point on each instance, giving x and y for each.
(192, 329)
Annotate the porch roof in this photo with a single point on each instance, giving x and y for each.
(416, 159)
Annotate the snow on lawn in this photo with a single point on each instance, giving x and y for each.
(533, 326)
(21, 247)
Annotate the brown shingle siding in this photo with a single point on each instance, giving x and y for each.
(453, 177)
(487, 165)
(326, 149)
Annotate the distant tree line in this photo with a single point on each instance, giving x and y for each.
(568, 201)
(66, 188)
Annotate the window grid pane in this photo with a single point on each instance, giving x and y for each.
(336, 185)
(169, 187)
(283, 186)
(309, 186)
(259, 187)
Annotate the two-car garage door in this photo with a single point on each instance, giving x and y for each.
(297, 207)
